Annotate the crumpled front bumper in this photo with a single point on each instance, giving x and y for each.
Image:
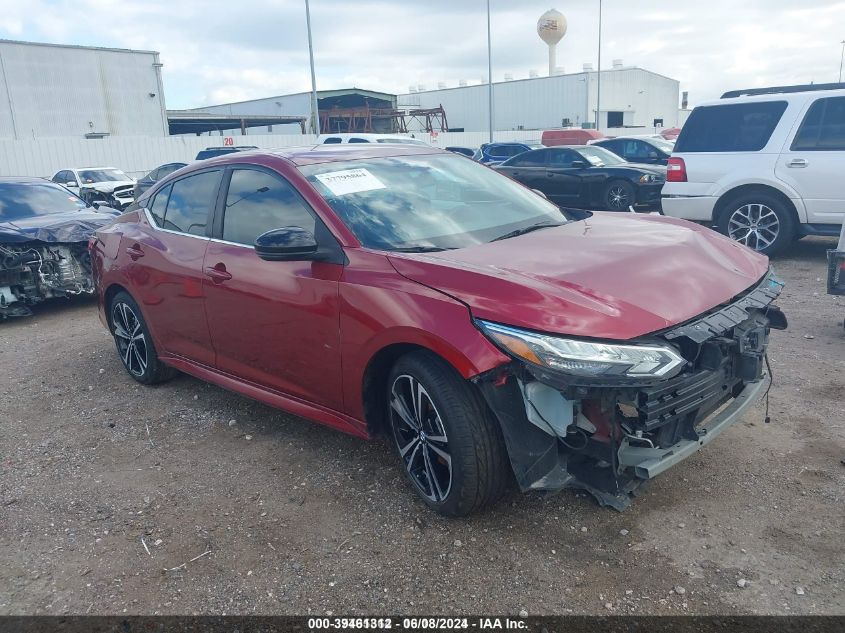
(650, 462)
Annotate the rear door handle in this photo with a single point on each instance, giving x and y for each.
(797, 162)
(134, 252)
(218, 274)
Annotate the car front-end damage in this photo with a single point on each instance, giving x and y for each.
(118, 195)
(607, 417)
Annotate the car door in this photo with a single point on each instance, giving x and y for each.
(164, 264)
(273, 323)
(529, 168)
(813, 161)
(563, 176)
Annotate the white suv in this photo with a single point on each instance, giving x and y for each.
(764, 166)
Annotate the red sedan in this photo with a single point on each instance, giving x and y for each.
(412, 292)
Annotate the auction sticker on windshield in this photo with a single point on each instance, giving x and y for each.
(347, 181)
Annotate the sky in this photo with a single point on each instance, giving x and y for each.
(217, 51)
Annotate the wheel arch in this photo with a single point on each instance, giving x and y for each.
(725, 199)
(108, 296)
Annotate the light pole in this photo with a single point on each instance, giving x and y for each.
(598, 76)
(841, 57)
(489, 74)
(315, 117)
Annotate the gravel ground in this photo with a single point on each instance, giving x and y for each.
(185, 498)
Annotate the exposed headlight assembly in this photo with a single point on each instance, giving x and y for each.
(586, 359)
(646, 178)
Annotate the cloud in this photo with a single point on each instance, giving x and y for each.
(217, 51)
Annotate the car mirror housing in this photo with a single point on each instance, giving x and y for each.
(290, 243)
(70, 183)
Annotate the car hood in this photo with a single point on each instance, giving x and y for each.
(108, 186)
(611, 276)
(70, 226)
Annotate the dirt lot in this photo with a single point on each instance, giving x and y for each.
(184, 498)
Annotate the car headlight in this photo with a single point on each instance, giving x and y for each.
(585, 358)
(646, 178)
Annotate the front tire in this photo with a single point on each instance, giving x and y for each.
(448, 442)
(760, 221)
(134, 343)
(619, 195)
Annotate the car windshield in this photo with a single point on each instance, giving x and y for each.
(19, 200)
(429, 202)
(598, 156)
(88, 176)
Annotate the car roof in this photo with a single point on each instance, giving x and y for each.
(799, 96)
(25, 180)
(312, 154)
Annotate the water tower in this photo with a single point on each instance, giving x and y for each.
(551, 27)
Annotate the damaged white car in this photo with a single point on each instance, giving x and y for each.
(99, 185)
(44, 232)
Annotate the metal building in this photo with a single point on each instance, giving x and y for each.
(630, 97)
(54, 90)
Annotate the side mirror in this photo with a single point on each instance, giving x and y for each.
(288, 244)
(71, 183)
(653, 155)
(540, 193)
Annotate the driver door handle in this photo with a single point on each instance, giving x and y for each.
(218, 273)
(797, 162)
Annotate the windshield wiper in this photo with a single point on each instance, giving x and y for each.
(527, 229)
(420, 249)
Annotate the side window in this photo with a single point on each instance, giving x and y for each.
(153, 176)
(358, 140)
(530, 159)
(738, 127)
(617, 147)
(331, 140)
(191, 200)
(513, 150)
(562, 158)
(58, 177)
(636, 149)
(823, 128)
(159, 204)
(258, 202)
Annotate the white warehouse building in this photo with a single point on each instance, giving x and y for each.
(630, 97)
(56, 90)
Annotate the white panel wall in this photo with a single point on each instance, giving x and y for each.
(51, 91)
(138, 155)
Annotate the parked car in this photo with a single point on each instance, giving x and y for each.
(154, 176)
(647, 150)
(588, 177)
(102, 185)
(570, 136)
(763, 166)
(211, 152)
(361, 137)
(494, 153)
(407, 291)
(465, 151)
(44, 232)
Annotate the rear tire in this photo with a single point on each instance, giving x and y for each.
(761, 221)
(619, 195)
(448, 442)
(134, 343)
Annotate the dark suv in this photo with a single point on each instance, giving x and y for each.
(494, 153)
(639, 149)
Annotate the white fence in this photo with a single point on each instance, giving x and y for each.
(137, 155)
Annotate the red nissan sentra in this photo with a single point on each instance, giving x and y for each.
(412, 292)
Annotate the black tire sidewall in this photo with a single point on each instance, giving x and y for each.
(632, 194)
(155, 371)
(455, 403)
(785, 216)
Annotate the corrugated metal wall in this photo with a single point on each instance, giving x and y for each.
(287, 105)
(545, 101)
(52, 91)
(138, 155)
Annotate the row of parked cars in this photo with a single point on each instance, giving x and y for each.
(496, 337)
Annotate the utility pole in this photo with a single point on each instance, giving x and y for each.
(841, 57)
(598, 76)
(315, 115)
(489, 74)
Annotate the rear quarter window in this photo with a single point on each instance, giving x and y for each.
(732, 127)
